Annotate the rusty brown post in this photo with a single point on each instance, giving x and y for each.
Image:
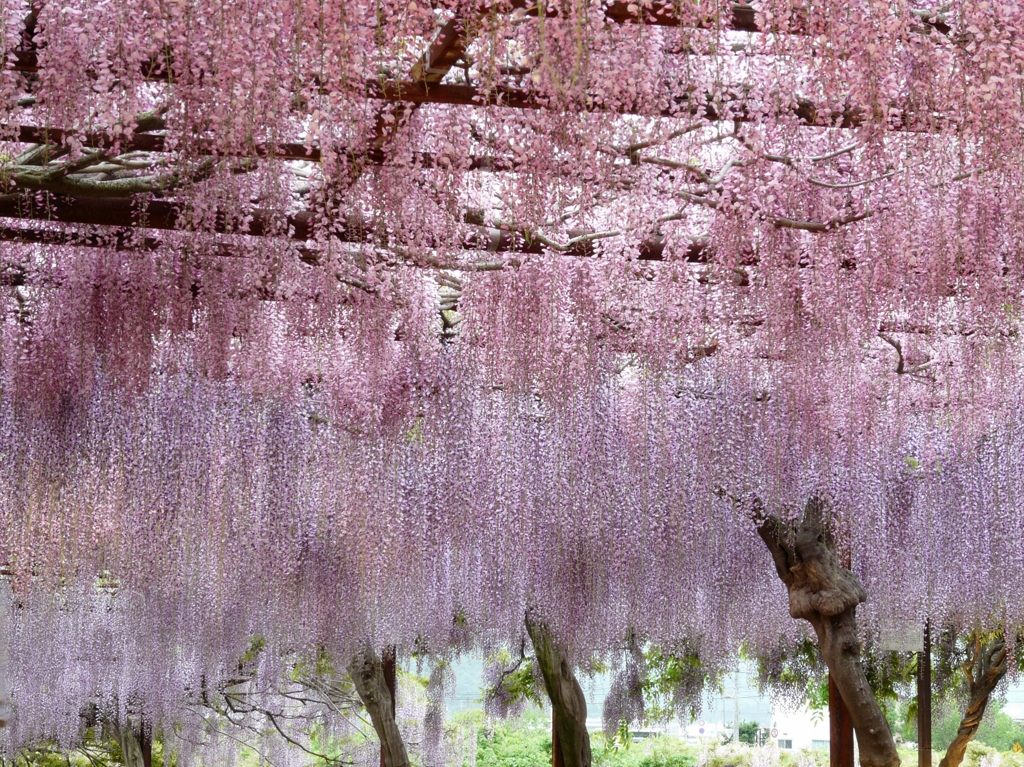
(146, 743)
(840, 729)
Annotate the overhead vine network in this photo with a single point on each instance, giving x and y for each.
(392, 322)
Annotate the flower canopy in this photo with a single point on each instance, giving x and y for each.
(333, 320)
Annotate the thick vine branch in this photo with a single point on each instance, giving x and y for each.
(826, 595)
(984, 669)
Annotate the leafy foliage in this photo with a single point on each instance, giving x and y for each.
(748, 732)
(512, 745)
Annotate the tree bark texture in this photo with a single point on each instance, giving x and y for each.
(924, 700)
(368, 674)
(132, 751)
(570, 734)
(985, 667)
(826, 595)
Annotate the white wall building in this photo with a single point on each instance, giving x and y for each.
(799, 728)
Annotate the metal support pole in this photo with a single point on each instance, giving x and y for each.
(924, 701)
(840, 729)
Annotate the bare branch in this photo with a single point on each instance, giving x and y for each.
(665, 139)
(852, 184)
(59, 181)
(568, 245)
(788, 160)
(900, 368)
(771, 532)
(822, 226)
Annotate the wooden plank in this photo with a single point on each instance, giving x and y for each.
(444, 52)
(729, 108)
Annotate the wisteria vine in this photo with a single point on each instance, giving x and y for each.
(343, 322)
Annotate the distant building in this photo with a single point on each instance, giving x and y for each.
(800, 728)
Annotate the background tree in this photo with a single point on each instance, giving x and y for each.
(654, 685)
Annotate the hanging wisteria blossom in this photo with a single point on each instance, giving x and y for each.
(335, 323)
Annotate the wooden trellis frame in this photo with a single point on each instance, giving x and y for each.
(400, 99)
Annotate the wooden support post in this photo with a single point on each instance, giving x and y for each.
(840, 729)
(557, 760)
(924, 701)
(388, 666)
(146, 743)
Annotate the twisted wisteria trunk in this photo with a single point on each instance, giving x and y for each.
(570, 738)
(136, 746)
(985, 667)
(370, 677)
(826, 595)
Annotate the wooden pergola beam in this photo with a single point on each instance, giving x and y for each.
(447, 48)
(288, 151)
(805, 111)
(151, 214)
(151, 142)
(124, 215)
(410, 94)
(450, 43)
(740, 17)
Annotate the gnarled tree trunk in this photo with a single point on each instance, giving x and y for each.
(985, 666)
(136, 745)
(570, 735)
(371, 683)
(826, 595)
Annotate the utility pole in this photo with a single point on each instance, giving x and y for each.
(736, 706)
(924, 700)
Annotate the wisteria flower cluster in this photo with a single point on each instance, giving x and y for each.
(389, 321)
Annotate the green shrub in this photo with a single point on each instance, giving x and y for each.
(661, 751)
(506, 745)
(727, 755)
(975, 753)
(805, 757)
